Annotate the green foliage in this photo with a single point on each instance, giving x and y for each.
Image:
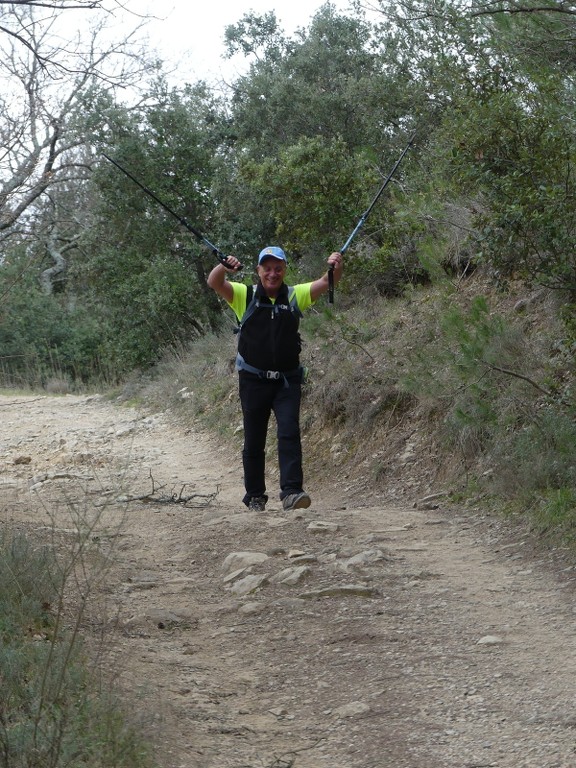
(537, 459)
(27, 576)
(464, 364)
(146, 273)
(500, 401)
(328, 82)
(255, 34)
(443, 48)
(294, 153)
(40, 337)
(316, 192)
(313, 189)
(504, 144)
(518, 159)
(150, 305)
(553, 515)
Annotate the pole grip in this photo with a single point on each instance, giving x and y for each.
(331, 284)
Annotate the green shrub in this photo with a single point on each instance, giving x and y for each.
(539, 456)
(554, 515)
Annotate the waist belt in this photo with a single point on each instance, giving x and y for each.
(242, 365)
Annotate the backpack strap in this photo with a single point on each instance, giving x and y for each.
(251, 305)
(293, 302)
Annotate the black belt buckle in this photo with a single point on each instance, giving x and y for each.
(274, 375)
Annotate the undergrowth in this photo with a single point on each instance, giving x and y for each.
(57, 710)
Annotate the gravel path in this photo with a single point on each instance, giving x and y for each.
(341, 636)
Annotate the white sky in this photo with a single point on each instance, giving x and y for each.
(189, 34)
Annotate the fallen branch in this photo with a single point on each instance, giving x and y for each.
(155, 497)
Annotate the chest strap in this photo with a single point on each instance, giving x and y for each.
(253, 303)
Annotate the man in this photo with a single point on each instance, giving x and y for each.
(268, 362)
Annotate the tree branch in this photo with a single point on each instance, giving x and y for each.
(566, 10)
(58, 5)
(516, 375)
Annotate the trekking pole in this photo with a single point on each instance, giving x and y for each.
(364, 216)
(222, 258)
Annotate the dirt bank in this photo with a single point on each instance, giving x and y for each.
(345, 636)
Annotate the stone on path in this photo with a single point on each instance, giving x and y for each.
(249, 584)
(235, 561)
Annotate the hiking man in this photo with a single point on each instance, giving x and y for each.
(269, 370)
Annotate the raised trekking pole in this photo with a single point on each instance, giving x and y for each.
(364, 216)
(199, 236)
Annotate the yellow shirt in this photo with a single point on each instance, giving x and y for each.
(238, 303)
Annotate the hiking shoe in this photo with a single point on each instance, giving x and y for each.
(257, 504)
(296, 501)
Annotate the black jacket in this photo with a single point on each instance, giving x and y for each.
(269, 338)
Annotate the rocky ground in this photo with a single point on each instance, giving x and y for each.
(349, 635)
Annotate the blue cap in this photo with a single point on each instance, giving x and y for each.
(272, 250)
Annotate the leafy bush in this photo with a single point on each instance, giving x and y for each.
(41, 338)
(314, 191)
(516, 156)
(505, 408)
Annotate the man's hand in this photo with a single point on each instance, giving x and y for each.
(320, 286)
(232, 264)
(335, 261)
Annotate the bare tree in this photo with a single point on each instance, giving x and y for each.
(58, 72)
(15, 25)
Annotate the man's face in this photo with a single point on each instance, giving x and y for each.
(271, 273)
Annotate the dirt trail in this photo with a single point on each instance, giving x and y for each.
(356, 636)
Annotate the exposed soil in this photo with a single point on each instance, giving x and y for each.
(362, 635)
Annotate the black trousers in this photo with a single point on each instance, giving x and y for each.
(259, 398)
